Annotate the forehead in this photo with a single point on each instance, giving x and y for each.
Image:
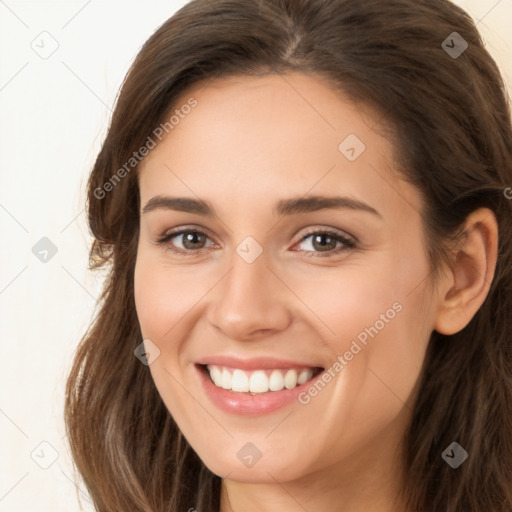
(269, 110)
(250, 136)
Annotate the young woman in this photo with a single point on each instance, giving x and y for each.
(304, 207)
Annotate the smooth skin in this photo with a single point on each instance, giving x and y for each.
(249, 143)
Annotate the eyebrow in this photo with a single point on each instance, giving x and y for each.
(284, 207)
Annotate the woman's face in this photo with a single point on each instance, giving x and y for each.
(306, 251)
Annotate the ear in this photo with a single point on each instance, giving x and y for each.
(465, 286)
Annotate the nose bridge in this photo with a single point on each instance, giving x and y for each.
(249, 298)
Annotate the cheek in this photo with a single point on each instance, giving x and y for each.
(379, 318)
(164, 299)
(150, 297)
(343, 303)
(164, 294)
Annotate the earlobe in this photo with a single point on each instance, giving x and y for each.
(465, 287)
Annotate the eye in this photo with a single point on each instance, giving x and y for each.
(192, 241)
(322, 243)
(325, 243)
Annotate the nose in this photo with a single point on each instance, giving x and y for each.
(250, 301)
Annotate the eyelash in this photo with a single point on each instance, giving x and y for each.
(350, 244)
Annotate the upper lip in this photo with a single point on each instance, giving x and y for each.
(254, 363)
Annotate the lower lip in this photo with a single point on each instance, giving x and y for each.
(245, 404)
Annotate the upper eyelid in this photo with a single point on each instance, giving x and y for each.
(181, 230)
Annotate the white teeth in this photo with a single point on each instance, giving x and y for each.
(239, 382)
(216, 375)
(290, 379)
(276, 381)
(226, 379)
(304, 375)
(258, 381)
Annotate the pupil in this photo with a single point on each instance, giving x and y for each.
(192, 238)
(322, 237)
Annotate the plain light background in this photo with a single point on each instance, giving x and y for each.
(54, 111)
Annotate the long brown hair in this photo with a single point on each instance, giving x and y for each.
(450, 125)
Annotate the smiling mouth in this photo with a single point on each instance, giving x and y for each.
(258, 381)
